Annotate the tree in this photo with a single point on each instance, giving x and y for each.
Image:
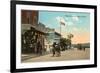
(64, 43)
(70, 36)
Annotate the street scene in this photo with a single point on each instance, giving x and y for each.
(65, 56)
(54, 36)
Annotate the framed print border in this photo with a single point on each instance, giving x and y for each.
(13, 35)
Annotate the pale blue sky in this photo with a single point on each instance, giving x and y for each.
(74, 21)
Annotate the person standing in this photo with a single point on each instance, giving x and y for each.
(58, 50)
(54, 49)
(38, 47)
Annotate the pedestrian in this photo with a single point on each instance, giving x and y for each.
(39, 48)
(84, 48)
(53, 49)
(58, 50)
(79, 46)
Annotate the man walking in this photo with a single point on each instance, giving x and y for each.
(54, 49)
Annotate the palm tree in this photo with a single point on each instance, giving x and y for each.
(70, 36)
(63, 43)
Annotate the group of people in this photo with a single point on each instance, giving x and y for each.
(80, 47)
(56, 50)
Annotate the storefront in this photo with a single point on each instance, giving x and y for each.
(32, 32)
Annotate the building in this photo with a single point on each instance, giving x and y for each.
(29, 17)
(51, 37)
(32, 32)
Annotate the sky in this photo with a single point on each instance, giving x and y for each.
(76, 23)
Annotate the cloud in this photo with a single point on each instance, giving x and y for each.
(65, 20)
(75, 29)
(75, 18)
(61, 19)
(58, 18)
(70, 23)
